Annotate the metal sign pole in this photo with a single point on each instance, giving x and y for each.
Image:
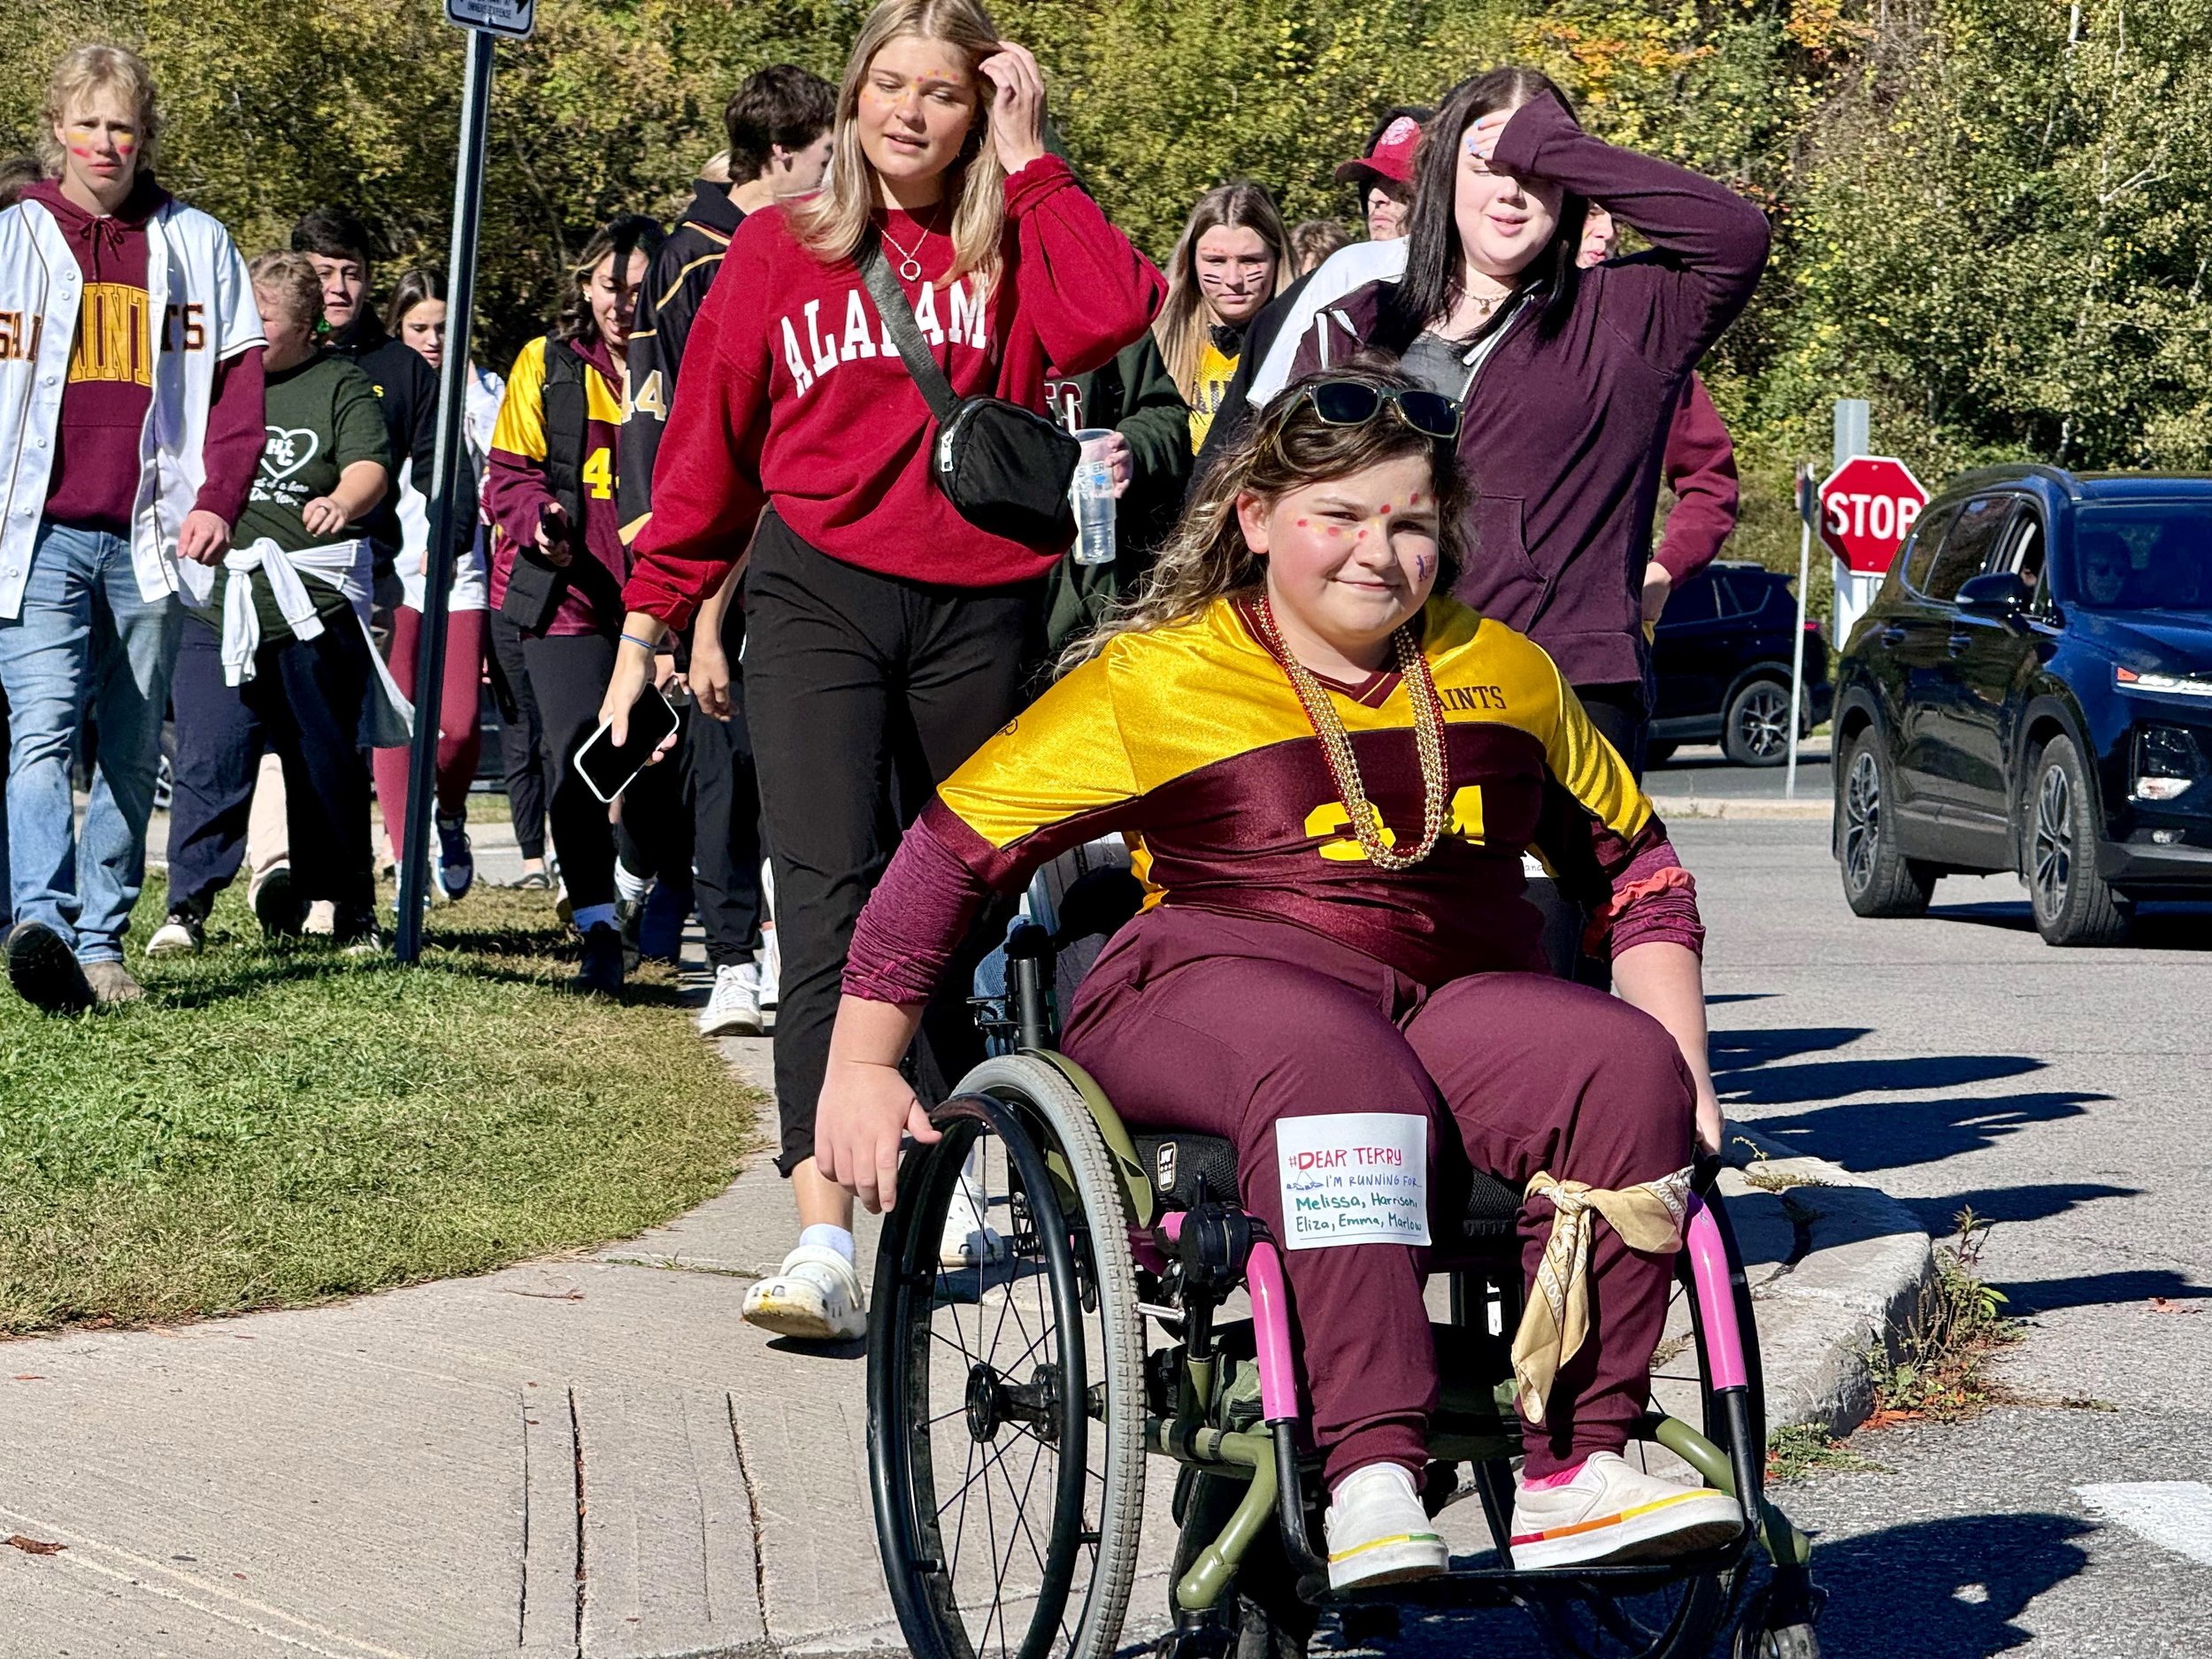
(447, 473)
(1807, 506)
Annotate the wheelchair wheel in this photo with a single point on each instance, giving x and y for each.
(1006, 1403)
(1682, 1617)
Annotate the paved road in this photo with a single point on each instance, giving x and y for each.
(1960, 1060)
(1699, 770)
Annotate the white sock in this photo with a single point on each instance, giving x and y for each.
(629, 887)
(589, 916)
(821, 1235)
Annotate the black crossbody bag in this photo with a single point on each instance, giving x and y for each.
(1005, 469)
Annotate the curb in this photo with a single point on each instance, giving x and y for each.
(1849, 1286)
(1672, 807)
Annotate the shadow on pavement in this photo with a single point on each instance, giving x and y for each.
(2098, 1290)
(1828, 1079)
(1891, 1135)
(1949, 1589)
(2157, 926)
(2014, 1203)
(1731, 1051)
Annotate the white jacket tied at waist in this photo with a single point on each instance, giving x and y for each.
(340, 564)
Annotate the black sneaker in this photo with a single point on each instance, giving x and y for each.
(629, 921)
(600, 973)
(275, 906)
(182, 934)
(45, 971)
(354, 933)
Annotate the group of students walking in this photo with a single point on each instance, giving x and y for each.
(717, 473)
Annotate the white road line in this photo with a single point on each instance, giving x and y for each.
(2175, 1515)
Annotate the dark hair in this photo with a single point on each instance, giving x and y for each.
(333, 233)
(784, 106)
(631, 233)
(1434, 264)
(18, 173)
(415, 285)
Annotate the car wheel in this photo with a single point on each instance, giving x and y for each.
(1877, 878)
(2073, 904)
(1757, 730)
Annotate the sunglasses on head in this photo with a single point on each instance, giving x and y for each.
(1356, 403)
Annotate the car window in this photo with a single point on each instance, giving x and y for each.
(1967, 547)
(1927, 536)
(1741, 594)
(2152, 556)
(1694, 601)
(2023, 551)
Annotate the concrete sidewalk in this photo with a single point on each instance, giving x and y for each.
(593, 1457)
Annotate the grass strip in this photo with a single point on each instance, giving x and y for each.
(276, 1125)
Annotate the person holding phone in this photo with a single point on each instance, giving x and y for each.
(887, 635)
(557, 558)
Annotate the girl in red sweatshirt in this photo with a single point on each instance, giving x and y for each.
(887, 636)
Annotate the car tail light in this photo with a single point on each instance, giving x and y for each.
(2168, 760)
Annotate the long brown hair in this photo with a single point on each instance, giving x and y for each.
(1288, 448)
(833, 221)
(1181, 331)
(632, 233)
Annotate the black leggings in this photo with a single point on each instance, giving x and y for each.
(521, 737)
(1618, 712)
(568, 675)
(863, 693)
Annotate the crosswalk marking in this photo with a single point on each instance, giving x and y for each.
(2175, 1515)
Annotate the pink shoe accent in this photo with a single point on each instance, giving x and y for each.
(1545, 1483)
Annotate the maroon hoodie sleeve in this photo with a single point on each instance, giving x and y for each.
(1700, 465)
(232, 449)
(1077, 280)
(1712, 243)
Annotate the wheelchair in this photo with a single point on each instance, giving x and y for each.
(1014, 1406)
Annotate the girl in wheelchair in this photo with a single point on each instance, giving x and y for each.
(1328, 772)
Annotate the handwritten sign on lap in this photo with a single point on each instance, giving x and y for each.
(1354, 1178)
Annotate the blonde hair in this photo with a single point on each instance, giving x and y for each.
(1180, 330)
(289, 278)
(833, 223)
(1288, 447)
(99, 68)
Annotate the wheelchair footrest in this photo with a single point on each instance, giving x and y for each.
(1499, 1586)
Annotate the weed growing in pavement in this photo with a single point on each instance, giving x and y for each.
(1938, 1370)
(1801, 1450)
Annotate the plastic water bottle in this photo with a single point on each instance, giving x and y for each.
(1092, 495)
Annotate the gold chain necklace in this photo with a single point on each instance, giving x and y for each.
(1336, 743)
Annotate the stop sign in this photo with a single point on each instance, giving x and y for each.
(1868, 507)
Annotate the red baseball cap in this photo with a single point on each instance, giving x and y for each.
(1390, 159)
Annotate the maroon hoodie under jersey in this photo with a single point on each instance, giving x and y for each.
(94, 482)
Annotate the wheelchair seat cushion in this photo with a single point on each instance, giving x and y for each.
(1183, 1166)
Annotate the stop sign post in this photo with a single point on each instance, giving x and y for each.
(1868, 507)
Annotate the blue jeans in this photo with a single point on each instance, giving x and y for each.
(84, 640)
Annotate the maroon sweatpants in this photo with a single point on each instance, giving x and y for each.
(1226, 1025)
(460, 734)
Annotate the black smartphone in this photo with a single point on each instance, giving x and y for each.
(607, 767)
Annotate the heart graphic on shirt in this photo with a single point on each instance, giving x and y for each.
(285, 452)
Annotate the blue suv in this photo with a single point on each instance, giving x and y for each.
(2031, 691)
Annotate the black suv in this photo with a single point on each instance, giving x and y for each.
(1722, 655)
(2031, 691)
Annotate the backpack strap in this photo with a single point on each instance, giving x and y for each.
(898, 313)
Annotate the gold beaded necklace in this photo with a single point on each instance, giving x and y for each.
(1336, 742)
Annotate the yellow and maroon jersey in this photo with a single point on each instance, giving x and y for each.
(1191, 742)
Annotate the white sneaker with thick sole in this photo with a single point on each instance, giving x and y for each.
(814, 1296)
(769, 959)
(1379, 1532)
(969, 1238)
(732, 1007)
(1613, 1511)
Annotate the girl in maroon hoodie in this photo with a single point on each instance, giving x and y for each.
(887, 636)
(1567, 377)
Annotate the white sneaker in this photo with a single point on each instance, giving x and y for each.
(814, 1296)
(733, 1010)
(176, 937)
(969, 1240)
(1612, 1511)
(322, 917)
(1379, 1532)
(770, 961)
